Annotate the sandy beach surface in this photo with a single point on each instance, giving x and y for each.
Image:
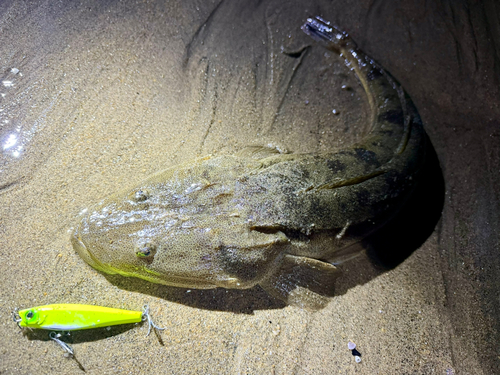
(97, 95)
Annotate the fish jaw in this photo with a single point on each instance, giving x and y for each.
(86, 255)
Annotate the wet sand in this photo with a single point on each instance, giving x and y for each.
(105, 93)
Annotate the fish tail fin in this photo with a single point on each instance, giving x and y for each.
(328, 35)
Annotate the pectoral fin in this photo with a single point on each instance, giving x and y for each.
(303, 282)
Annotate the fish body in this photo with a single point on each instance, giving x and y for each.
(69, 317)
(257, 217)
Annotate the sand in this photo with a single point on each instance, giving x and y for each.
(98, 95)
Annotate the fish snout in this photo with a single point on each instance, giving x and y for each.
(84, 253)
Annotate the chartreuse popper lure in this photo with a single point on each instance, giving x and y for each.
(71, 317)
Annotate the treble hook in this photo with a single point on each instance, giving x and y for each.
(56, 337)
(146, 316)
(68, 349)
(17, 318)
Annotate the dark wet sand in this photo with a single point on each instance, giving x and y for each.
(109, 92)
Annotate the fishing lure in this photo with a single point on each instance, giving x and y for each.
(70, 317)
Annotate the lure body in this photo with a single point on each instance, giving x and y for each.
(69, 317)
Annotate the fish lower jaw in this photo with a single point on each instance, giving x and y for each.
(175, 281)
(82, 250)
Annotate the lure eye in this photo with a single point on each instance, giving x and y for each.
(30, 314)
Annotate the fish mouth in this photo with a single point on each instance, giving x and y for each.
(86, 255)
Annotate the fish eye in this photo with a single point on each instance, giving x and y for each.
(147, 250)
(30, 314)
(141, 195)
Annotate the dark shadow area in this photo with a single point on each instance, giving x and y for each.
(410, 228)
(240, 301)
(389, 246)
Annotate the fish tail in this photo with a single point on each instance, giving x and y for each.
(395, 124)
(329, 36)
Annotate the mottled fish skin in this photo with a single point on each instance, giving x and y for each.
(241, 220)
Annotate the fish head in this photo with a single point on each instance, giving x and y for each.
(169, 231)
(138, 240)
